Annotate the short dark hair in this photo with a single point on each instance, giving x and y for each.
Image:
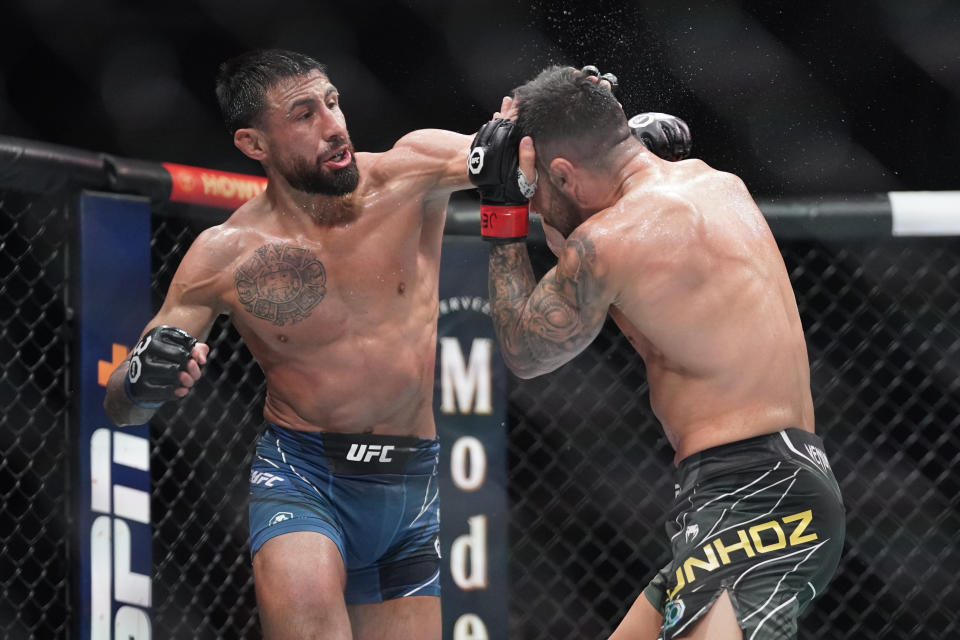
(243, 82)
(567, 114)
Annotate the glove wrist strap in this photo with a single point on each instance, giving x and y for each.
(139, 403)
(504, 222)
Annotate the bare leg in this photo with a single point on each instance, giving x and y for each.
(719, 623)
(299, 579)
(642, 622)
(411, 618)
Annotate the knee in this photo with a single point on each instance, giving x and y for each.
(288, 574)
(299, 579)
(296, 603)
(287, 578)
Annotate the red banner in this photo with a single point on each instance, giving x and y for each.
(212, 188)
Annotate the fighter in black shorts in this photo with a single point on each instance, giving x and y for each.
(761, 519)
(681, 258)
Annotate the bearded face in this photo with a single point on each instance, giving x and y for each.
(557, 208)
(333, 173)
(306, 136)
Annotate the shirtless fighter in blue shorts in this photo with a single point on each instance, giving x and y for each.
(679, 255)
(330, 276)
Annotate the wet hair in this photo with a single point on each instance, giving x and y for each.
(243, 82)
(569, 115)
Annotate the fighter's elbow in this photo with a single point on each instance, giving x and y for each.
(113, 415)
(114, 418)
(523, 369)
(522, 373)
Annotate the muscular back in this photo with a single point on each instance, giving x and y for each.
(340, 314)
(704, 297)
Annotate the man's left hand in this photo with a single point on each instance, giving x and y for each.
(665, 135)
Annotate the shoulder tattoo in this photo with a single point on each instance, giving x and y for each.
(281, 283)
(578, 270)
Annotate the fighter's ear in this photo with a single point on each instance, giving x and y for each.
(251, 142)
(562, 175)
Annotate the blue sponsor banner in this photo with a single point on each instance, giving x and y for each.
(112, 304)
(470, 404)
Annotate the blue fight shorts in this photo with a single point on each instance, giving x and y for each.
(375, 496)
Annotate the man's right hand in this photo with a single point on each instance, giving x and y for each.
(163, 366)
(492, 166)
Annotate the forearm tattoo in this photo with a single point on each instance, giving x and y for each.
(542, 326)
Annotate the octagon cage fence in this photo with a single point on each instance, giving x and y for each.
(589, 472)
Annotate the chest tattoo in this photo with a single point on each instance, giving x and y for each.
(281, 283)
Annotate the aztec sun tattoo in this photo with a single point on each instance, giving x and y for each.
(281, 283)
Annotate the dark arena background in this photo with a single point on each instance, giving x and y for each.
(843, 118)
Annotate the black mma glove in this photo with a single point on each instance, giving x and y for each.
(665, 135)
(591, 70)
(155, 366)
(493, 166)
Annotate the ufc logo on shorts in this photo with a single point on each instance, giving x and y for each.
(367, 452)
(262, 477)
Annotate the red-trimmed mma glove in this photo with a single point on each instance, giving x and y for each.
(493, 165)
(155, 366)
(665, 135)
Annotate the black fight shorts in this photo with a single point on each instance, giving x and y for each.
(761, 519)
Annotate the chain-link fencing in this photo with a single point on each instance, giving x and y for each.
(591, 474)
(589, 470)
(35, 445)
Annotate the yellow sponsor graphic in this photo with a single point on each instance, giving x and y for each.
(758, 539)
(229, 187)
(804, 517)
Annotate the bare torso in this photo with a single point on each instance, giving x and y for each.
(340, 316)
(704, 297)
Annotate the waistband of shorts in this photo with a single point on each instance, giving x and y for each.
(358, 453)
(788, 443)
